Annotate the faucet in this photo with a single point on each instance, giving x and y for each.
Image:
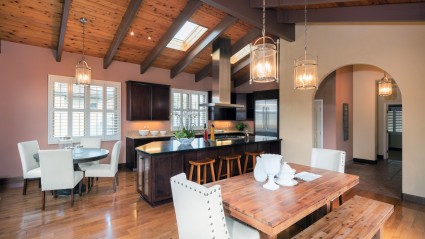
(246, 135)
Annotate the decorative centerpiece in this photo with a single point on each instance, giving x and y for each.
(186, 133)
(271, 166)
(286, 175)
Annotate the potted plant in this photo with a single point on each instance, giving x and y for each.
(240, 126)
(186, 133)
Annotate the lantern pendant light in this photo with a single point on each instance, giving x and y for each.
(305, 67)
(385, 87)
(264, 57)
(82, 69)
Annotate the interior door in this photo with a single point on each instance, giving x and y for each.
(318, 123)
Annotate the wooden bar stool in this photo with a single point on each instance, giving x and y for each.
(198, 164)
(254, 155)
(229, 164)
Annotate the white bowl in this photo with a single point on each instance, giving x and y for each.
(163, 132)
(154, 132)
(143, 132)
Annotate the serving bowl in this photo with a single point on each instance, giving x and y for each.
(154, 132)
(143, 132)
(162, 132)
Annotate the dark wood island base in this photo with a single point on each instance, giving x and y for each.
(159, 161)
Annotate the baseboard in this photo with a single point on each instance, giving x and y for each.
(395, 149)
(8, 181)
(413, 198)
(379, 156)
(357, 160)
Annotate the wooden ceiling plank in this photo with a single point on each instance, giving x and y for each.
(241, 64)
(286, 3)
(187, 12)
(241, 43)
(371, 13)
(62, 29)
(241, 80)
(243, 11)
(130, 13)
(214, 34)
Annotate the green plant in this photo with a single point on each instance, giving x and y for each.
(240, 126)
(185, 125)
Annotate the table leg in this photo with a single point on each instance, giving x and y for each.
(266, 236)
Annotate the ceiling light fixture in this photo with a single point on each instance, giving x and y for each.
(82, 69)
(264, 57)
(305, 71)
(385, 86)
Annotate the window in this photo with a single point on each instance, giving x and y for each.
(186, 102)
(186, 36)
(394, 119)
(77, 111)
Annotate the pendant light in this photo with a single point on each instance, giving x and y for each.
(305, 71)
(385, 87)
(82, 69)
(264, 57)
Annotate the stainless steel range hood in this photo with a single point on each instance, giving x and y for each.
(221, 75)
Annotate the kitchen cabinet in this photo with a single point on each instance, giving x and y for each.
(246, 113)
(132, 144)
(222, 113)
(146, 101)
(266, 95)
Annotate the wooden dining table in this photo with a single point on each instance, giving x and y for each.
(271, 212)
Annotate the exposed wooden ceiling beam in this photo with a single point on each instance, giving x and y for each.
(371, 13)
(62, 29)
(286, 3)
(241, 43)
(241, 80)
(243, 11)
(214, 34)
(241, 64)
(187, 12)
(127, 19)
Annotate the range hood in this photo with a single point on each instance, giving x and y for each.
(221, 75)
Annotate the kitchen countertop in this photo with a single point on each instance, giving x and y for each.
(136, 135)
(170, 146)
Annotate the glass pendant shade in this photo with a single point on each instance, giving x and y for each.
(385, 87)
(82, 73)
(264, 62)
(305, 73)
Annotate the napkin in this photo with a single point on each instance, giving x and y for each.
(306, 176)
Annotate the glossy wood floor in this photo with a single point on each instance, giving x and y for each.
(103, 214)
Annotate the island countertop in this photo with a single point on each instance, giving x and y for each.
(172, 146)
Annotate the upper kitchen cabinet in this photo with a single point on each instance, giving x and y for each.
(222, 113)
(146, 101)
(246, 113)
(266, 95)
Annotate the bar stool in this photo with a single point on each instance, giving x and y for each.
(254, 155)
(229, 164)
(198, 164)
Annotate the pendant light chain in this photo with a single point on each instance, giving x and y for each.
(264, 18)
(83, 21)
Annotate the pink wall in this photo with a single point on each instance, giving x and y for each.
(326, 92)
(23, 96)
(344, 94)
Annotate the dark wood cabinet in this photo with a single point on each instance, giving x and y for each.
(222, 113)
(147, 101)
(250, 106)
(266, 95)
(132, 144)
(247, 100)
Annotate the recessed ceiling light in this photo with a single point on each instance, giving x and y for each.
(132, 33)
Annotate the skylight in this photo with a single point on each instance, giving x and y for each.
(240, 54)
(186, 36)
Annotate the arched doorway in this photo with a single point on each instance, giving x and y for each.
(356, 119)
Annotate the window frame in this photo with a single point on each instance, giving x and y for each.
(199, 110)
(69, 109)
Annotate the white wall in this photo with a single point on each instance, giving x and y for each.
(396, 48)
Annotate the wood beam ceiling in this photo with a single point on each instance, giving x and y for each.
(214, 34)
(241, 64)
(286, 3)
(241, 43)
(62, 29)
(240, 9)
(241, 80)
(371, 13)
(130, 13)
(187, 12)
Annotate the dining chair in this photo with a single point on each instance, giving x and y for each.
(199, 212)
(329, 159)
(30, 167)
(107, 170)
(91, 143)
(57, 172)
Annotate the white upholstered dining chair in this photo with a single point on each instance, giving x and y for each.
(57, 172)
(199, 212)
(30, 167)
(107, 170)
(90, 143)
(329, 159)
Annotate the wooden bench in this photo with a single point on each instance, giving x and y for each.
(359, 217)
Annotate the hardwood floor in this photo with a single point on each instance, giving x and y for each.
(103, 214)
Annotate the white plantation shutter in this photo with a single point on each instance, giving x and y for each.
(77, 111)
(394, 119)
(186, 101)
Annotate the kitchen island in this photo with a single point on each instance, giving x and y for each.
(159, 161)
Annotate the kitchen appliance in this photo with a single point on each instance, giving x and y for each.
(266, 118)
